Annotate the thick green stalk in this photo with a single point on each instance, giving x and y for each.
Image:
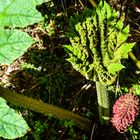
(41, 107)
(103, 103)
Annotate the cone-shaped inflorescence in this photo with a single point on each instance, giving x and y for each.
(124, 112)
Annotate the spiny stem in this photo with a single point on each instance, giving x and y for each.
(41, 107)
(103, 103)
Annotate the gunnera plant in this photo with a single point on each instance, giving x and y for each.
(98, 45)
(125, 111)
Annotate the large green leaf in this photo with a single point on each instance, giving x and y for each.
(16, 13)
(12, 125)
(19, 12)
(13, 43)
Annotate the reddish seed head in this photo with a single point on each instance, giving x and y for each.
(125, 110)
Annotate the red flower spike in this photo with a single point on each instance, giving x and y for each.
(125, 110)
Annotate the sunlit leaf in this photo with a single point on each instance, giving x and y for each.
(13, 43)
(115, 67)
(18, 13)
(12, 125)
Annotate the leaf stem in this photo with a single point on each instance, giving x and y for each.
(93, 3)
(103, 103)
(47, 109)
(136, 61)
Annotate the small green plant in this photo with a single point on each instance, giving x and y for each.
(98, 45)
